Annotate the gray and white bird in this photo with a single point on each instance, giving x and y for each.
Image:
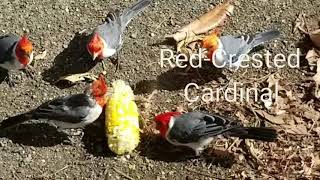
(229, 51)
(106, 39)
(15, 53)
(68, 112)
(196, 130)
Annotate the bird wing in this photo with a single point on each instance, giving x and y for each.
(7, 43)
(132, 11)
(236, 46)
(191, 127)
(70, 109)
(111, 30)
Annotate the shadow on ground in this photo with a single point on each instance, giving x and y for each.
(72, 60)
(155, 148)
(177, 78)
(35, 134)
(95, 140)
(3, 75)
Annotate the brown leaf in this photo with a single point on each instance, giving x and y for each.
(312, 57)
(316, 162)
(300, 24)
(78, 77)
(280, 119)
(312, 115)
(315, 37)
(189, 40)
(296, 129)
(205, 23)
(316, 78)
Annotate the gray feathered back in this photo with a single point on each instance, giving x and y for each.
(132, 11)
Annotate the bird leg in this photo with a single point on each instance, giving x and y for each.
(116, 61)
(9, 81)
(103, 66)
(30, 71)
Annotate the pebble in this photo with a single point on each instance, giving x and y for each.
(3, 144)
(28, 158)
(133, 35)
(268, 18)
(152, 34)
(67, 9)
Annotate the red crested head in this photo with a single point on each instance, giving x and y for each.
(95, 46)
(163, 121)
(24, 50)
(211, 43)
(99, 90)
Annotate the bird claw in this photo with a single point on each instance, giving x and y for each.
(115, 61)
(104, 66)
(72, 132)
(30, 72)
(9, 81)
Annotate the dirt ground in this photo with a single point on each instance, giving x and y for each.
(37, 151)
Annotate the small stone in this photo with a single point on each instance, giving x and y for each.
(127, 156)
(28, 158)
(268, 18)
(152, 34)
(133, 35)
(3, 144)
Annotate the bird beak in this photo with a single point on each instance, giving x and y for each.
(156, 125)
(95, 55)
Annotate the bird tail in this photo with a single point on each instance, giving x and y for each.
(129, 13)
(15, 120)
(264, 37)
(258, 133)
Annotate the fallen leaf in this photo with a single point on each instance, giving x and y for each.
(272, 81)
(313, 56)
(78, 77)
(268, 103)
(300, 24)
(316, 163)
(296, 129)
(312, 115)
(41, 55)
(279, 120)
(185, 43)
(315, 37)
(205, 23)
(316, 78)
(317, 130)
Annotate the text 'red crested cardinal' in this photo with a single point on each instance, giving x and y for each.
(106, 39)
(15, 53)
(73, 111)
(230, 51)
(196, 130)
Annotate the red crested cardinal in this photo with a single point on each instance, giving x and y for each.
(229, 51)
(196, 130)
(15, 53)
(106, 39)
(68, 112)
